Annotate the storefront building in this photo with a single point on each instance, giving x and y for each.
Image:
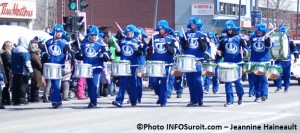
(18, 12)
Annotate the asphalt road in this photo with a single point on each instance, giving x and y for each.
(281, 109)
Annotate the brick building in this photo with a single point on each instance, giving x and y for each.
(124, 12)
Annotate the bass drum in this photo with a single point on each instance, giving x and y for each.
(280, 49)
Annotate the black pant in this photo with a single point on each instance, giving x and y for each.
(0, 96)
(20, 84)
(5, 94)
(34, 94)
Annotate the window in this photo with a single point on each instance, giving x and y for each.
(231, 9)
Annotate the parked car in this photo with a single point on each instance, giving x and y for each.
(295, 71)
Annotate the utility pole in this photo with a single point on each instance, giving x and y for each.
(239, 13)
(297, 20)
(155, 13)
(256, 5)
(46, 19)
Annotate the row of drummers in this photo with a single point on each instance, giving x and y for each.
(228, 72)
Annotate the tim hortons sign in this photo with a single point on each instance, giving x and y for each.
(18, 9)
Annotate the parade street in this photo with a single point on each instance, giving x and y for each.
(280, 113)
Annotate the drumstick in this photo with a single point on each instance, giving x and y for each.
(67, 55)
(183, 33)
(119, 27)
(271, 31)
(46, 48)
(78, 43)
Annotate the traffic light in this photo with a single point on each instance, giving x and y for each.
(78, 24)
(68, 23)
(72, 4)
(83, 4)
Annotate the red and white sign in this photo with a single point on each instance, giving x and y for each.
(202, 9)
(24, 9)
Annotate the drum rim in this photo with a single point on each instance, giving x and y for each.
(121, 61)
(234, 65)
(186, 55)
(155, 62)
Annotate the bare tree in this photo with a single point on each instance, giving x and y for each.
(278, 11)
(46, 14)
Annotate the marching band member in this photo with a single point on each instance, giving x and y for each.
(162, 48)
(57, 47)
(215, 85)
(93, 51)
(129, 49)
(286, 64)
(260, 53)
(232, 47)
(177, 83)
(196, 44)
(21, 68)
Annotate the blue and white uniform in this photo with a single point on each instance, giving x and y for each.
(163, 49)
(130, 49)
(230, 47)
(196, 44)
(94, 53)
(260, 53)
(57, 48)
(286, 64)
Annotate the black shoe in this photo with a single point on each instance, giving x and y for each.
(128, 101)
(229, 104)
(163, 105)
(200, 103)
(116, 104)
(240, 101)
(179, 96)
(92, 105)
(66, 99)
(169, 96)
(258, 99)
(46, 101)
(251, 95)
(215, 92)
(285, 90)
(278, 90)
(133, 104)
(157, 102)
(24, 103)
(205, 92)
(6, 103)
(191, 104)
(56, 105)
(2, 107)
(263, 98)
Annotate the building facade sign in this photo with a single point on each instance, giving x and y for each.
(202, 9)
(22, 9)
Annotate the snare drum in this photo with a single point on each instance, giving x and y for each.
(120, 68)
(273, 72)
(83, 71)
(209, 69)
(280, 48)
(228, 72)
(155, 69)
(52, 71)
(258, 68)
(141, 71)
(185, 63)
(247, 68)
